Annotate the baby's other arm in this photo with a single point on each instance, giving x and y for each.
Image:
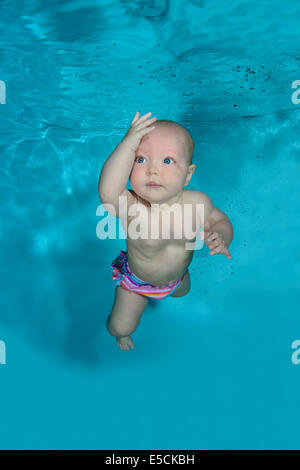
(218, 230)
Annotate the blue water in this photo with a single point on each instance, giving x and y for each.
(211, 370)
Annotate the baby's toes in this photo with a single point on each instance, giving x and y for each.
(123, 344)
(130, 344)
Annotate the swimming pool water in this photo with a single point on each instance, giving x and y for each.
(211, 370)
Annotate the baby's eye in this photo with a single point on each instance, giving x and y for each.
(168, 158)
(138, 158)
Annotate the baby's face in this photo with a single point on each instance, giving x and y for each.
(161, 157)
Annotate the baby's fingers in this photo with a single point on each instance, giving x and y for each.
(205, 235)
(145, 130)
(142, 119)
(221, 250)
(216, 250)
(142, 123)
(214, 244)
(135, 118)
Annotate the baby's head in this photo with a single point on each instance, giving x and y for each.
(165, 157)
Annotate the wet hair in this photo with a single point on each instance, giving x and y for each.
(187, 136)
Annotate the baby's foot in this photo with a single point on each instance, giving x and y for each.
(125, 343)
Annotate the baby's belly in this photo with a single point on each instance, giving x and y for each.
(159, 264)
(162, 258)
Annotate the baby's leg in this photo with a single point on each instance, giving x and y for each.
(125, 316)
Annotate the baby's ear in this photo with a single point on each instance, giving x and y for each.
(192, 168)
(190, 173)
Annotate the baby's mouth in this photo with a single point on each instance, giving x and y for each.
(153, 185)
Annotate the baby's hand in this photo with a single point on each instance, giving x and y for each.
(138, 128)
(215, 242)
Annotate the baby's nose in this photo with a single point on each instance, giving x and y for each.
(151, 169)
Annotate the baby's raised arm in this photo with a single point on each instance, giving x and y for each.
(117, 168)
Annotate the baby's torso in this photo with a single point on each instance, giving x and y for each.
(159, 255)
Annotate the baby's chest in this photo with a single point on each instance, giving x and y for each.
(156, 228)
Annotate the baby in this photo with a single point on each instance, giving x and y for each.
(158, 161)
